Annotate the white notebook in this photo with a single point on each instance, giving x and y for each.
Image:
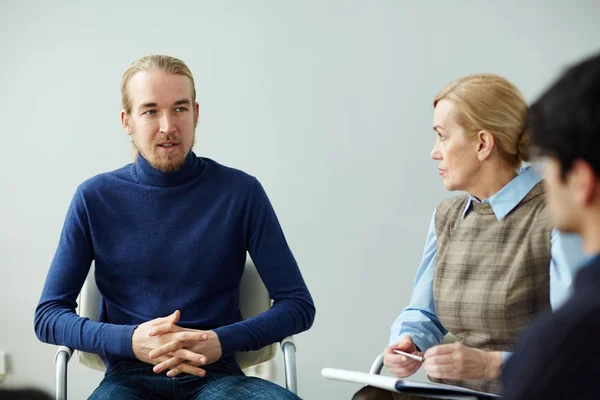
(431, 390)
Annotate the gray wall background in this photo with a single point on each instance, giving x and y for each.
(328, 103)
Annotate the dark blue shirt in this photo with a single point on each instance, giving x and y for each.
(165, 241)
(558, 357)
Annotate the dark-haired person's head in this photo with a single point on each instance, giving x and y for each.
(565, 141)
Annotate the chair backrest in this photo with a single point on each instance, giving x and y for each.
(254, 299)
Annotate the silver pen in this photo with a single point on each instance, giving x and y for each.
(413, 356)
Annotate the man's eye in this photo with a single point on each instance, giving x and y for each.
(150, 112)
(181, 109)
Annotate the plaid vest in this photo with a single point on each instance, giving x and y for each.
(491, 277)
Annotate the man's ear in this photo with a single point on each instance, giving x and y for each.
(485, 144)
(196, 113)
(125, 121)
(582, 182)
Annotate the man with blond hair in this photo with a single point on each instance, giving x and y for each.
(168, 235)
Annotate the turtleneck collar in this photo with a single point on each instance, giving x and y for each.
(154, 177)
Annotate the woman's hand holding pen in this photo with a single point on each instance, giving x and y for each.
(446, 361)
(400, 365)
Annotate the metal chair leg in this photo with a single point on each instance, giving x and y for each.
(63, 354)
(289, 359)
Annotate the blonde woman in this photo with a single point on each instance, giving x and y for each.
(492, 259)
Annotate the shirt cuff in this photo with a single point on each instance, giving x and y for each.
(230, 338)
(123, 345)
(505, 356)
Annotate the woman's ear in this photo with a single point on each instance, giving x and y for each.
(485, 142)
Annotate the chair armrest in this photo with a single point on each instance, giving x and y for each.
(63, 349)
(62, 357)
(377, 365)
(288, 346)
(289, 339)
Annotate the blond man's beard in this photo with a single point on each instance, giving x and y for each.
(170, 163)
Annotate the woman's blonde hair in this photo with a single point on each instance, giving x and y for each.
(168, 64)
(492, 103)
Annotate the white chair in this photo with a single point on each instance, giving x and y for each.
(254, 299)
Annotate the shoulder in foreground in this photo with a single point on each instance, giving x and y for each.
(574, 322)
(581, 312)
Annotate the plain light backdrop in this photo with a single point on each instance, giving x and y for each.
(328, 103)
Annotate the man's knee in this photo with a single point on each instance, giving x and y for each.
(246, 388)
(266, 390)
(118, 391)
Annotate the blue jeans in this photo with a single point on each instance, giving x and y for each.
(136, 380)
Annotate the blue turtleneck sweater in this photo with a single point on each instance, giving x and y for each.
(165, 241)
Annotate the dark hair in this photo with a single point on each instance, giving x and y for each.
(565, 121)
